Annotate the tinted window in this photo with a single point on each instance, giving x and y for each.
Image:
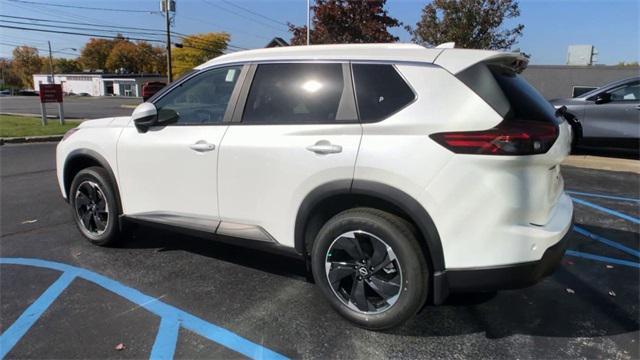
(507, 93)
(202, 99)
(295, 93)
(380, 91)
(525, 101)
(627, 92)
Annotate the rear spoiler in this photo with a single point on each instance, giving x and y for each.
(457, 60)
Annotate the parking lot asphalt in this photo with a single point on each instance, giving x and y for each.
(78, 107)
(232, 302)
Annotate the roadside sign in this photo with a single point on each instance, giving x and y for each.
(51, 93)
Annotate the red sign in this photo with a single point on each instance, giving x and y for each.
(50, 93)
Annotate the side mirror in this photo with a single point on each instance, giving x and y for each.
(145, 116)
(603, 98)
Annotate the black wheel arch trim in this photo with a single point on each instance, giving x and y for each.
(392, 195)
(88, 153)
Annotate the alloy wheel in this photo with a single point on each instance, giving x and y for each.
(363, 272)
(92, 208)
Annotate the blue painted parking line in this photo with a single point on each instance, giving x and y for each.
(14, 333)
(634, 220)
(605, 259)
(603, 196)
(606, 241)
(166, 340)
(172, 318)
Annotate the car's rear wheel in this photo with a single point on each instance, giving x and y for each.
(370, 267)
(94, 205)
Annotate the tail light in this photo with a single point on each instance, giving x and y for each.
(507, 138)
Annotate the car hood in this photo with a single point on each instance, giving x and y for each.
(119, 121)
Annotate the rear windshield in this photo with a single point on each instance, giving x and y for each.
(508, 93)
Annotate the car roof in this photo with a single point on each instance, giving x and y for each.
(454, 60)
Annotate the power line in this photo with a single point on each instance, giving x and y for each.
(75, 33)
(234, 29)
(91, 27)
(103, 36)
(85, 7)
(81, 23)
(78, 28)
(254, 13)
(58, 14)
(37, 48)
(241, 15)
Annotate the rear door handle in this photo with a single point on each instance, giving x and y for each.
(202, 146)
(324, 147)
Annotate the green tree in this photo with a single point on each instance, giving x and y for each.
(94, 54)
(65, 66)
(26, 62)
(154, 58)
(473, 24)
(347, 21)
(629, 63)
(124, 55)
(10, 79)
(196, 49)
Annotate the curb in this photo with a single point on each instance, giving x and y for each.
(30, 139)
(603, 163)
(49, 116)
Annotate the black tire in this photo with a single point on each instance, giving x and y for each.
(87, 180)
(377, 228)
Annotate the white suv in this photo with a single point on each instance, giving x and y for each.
(398, 173)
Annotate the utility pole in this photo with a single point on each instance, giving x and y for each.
(167, 9)
(308, 23)
(53, 79)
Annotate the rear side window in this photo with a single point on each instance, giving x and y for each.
(508, 93)
(380, 91)
(295, 93)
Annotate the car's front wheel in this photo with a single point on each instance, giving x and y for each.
(94, 205)
(370, 267)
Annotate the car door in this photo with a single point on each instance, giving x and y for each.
(295, 128)
(616, 115)
(169, 174)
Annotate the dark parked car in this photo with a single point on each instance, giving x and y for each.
(150, 88)
(609, 116)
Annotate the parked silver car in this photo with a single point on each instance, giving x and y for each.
(609, 116)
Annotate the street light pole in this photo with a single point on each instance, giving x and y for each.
(53, 79)
(308, 23)
(167, 8)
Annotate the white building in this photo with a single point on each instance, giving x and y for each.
(99, 84)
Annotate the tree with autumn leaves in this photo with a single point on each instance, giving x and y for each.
(347, 21)
(474, 24)
(120, 54)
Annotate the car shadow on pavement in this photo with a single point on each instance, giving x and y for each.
(142, 237)
(547, 309)
(583, 298)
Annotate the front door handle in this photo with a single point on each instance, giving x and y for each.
(202, 146)
(324, 147)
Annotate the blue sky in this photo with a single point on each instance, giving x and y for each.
(613, 26)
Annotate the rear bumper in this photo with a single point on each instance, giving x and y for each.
(508, 276)
(502, 277)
